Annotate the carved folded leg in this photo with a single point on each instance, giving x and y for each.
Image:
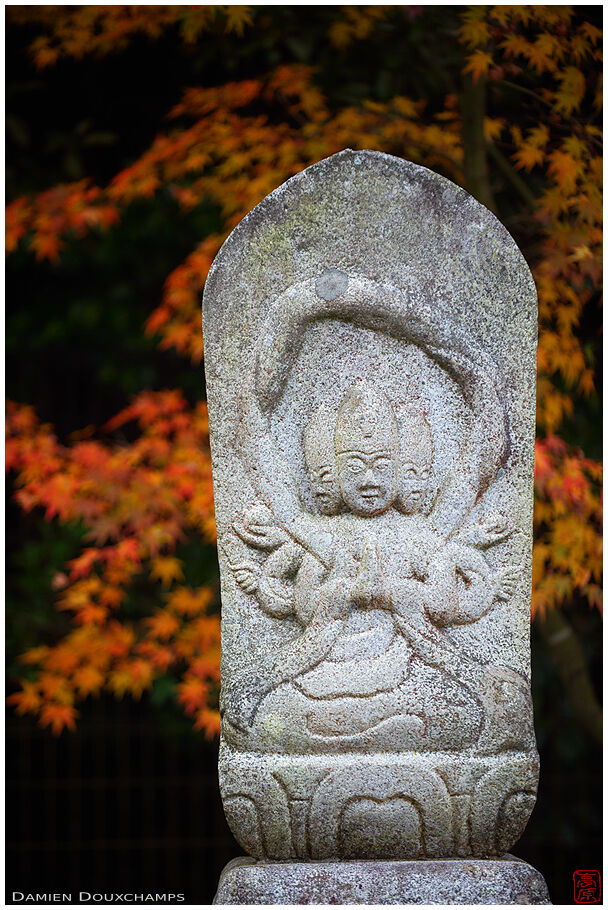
(381, 721)
(450, 602)
(463, 586)
(507, 703)
(501, 693)
(434, 648)
(431, 644)
(245, 691)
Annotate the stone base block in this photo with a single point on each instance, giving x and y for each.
(389, 805)
(448, 881)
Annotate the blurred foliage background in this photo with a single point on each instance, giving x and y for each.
(111, 230)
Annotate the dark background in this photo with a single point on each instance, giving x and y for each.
(130, 801)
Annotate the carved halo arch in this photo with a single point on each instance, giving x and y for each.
(399, 314)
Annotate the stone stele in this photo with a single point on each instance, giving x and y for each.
(370, 353)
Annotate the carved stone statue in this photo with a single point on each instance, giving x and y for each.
(370, 354)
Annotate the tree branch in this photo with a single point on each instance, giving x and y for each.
(475, 153)
(512, 176)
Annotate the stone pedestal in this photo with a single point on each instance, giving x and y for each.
(448, 881)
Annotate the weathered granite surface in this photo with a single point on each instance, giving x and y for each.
(449, 881)
(370, 355)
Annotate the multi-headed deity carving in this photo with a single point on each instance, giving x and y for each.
(375, 702)
(372, 664)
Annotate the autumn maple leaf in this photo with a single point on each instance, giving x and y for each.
(28, 699)
(166, 569)
(88, 680)
(208, 721)
(162, 625)
(192, 694)
(58, 717)
(478, 64)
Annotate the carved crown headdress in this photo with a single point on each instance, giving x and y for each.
(366, 421)
(415, 436)
(318, 437)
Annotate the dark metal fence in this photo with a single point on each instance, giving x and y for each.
(129, 803)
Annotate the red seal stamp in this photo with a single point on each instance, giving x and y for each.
(587, 886)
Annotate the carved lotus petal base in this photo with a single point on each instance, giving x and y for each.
(449, 881)
(377, 807)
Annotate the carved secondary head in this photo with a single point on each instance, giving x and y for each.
(320, 458)
(416, 460)
(367, 450)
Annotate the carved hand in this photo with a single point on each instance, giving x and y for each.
(496, 528)
(368, 590)
(365, 580)
(489, 532)
(247, 575)
(260, 534)
(505, 582)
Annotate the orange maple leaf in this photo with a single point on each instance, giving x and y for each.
(47, 246)
(28, 699)
(88, 680)
(162, 625)
(209, 721)
(192, 694)
(58, 717)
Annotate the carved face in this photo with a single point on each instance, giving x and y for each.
(325, 487)
(413, 481)
(320, 458)
(368, 481)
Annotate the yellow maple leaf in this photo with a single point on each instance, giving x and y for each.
(515, 46)
(592, 32)
(166, 569)
(478, 64)
(493, 127)
(571, 91)
(405, 106)
(34, 655)
(195, 21)
(538, 136)
(521, 14)
(528, 157)
(237, 17)
(564, 168)
(545, 53)
(474, 30)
